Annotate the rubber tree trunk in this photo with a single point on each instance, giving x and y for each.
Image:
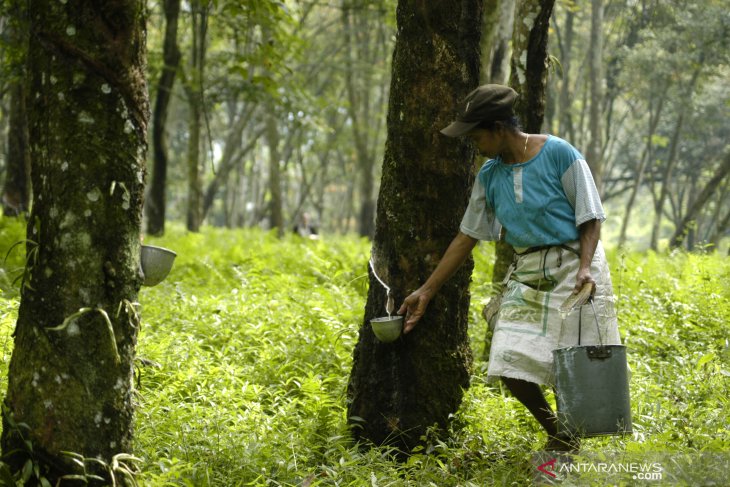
(71, 372)
(400, 389)
(155, 202)
(529, 78)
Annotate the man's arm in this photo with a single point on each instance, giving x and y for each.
(414, 306)
(590, 233)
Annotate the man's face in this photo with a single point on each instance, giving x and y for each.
(486, 141)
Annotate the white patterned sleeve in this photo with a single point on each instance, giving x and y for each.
(479, 220)
(582, 193)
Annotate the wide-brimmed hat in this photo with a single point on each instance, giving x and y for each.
(486, 103)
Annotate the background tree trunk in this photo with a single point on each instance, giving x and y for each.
(595, 145)
(665, 184)
(155, 202)
(646, 157)
(88, 110)
(680, 233)
(364, 42)
(199, 13)
(564, 102)
(195, 183)
(667, 174)
(275, 202)
(398, 390)
(16, 192)
(490, 30)
(529, 79)
(529, 61)
(500, 56)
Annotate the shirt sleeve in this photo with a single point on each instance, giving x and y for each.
(582, 193)
(479, 220)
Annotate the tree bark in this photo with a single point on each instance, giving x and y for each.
(398, 390)
(71, 372)
(155, 202)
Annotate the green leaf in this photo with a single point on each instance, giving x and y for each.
(27, 471)
(704, 359)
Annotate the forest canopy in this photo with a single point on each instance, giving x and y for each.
(277, 108)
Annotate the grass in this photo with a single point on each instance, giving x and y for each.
(246, 349)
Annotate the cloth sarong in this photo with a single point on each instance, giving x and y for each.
(529, 326)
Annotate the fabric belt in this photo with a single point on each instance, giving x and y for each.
(531, 250)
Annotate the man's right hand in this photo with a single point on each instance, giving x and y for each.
(414, 306)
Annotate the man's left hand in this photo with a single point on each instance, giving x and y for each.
(582, 278)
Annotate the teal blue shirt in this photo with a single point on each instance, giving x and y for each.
(539, 202)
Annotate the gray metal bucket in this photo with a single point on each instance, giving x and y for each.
(592, 390)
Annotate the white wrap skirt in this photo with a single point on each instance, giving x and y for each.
(529, 326)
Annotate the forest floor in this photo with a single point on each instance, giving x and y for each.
(247, 349)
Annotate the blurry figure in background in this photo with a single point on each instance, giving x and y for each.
(304, 228)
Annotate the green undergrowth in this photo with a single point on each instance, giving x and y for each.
(245, 352)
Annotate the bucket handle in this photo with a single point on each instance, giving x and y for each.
(595, 316)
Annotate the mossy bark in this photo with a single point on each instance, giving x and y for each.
(398, 390)
(88, 113)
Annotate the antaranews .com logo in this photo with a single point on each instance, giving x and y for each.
(638, 471)
(659, 468)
